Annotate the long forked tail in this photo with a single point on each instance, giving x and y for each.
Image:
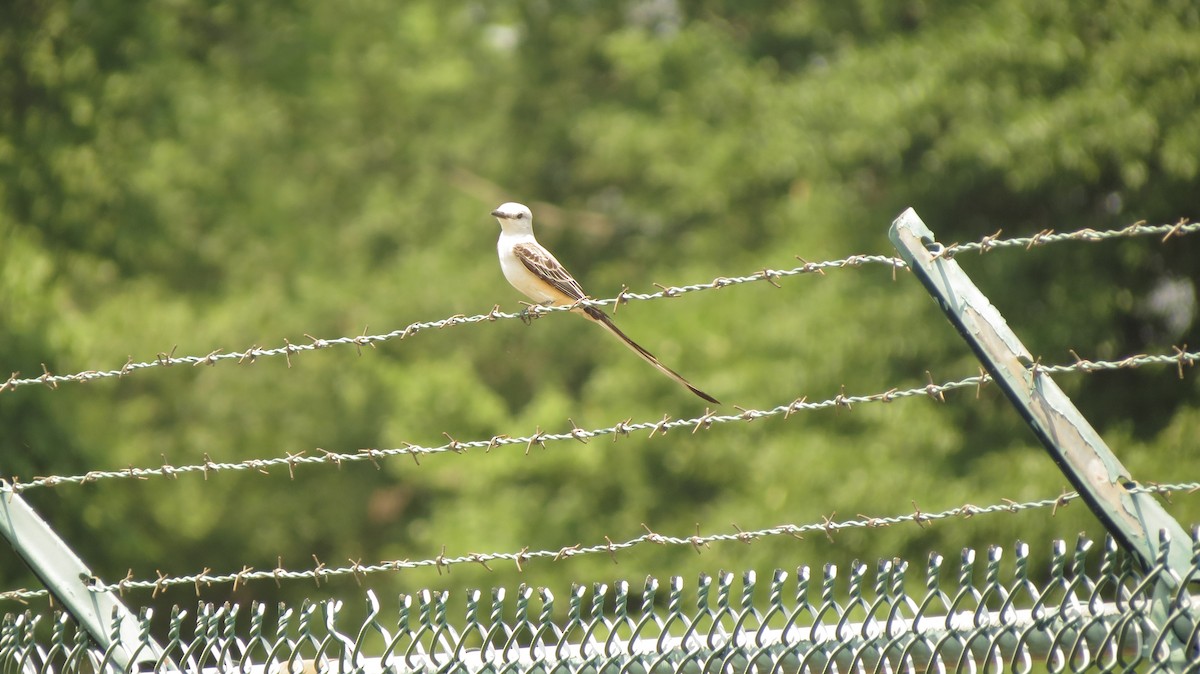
(602, 318)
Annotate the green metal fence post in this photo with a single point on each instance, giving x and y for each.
(111, 625)
(1133, 517)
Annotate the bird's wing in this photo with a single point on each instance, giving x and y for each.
(542, 264)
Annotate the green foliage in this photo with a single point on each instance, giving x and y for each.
(194, 176)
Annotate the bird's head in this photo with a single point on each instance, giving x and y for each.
(514, 217)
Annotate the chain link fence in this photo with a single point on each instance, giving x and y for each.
(1090, 610)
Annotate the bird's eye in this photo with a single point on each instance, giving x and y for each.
(520, 216)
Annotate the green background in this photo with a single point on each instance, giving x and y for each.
(194, 175)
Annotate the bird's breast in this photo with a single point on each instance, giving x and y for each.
(522, 279)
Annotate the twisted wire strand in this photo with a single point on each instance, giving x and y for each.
(1180, 358)
(358, 570)
(1087, 234)
(251, 354)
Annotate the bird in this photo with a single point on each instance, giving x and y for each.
(536, 273)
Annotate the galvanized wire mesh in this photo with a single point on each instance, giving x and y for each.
(1089, 611)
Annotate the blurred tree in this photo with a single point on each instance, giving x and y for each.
(195, 176)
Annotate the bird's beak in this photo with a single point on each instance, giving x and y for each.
(497, 214)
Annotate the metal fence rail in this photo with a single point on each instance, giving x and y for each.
(1089, 611)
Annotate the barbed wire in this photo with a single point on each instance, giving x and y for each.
(1140, 228)
(23, 595)
(827, 526)
(253, 353)
(1180, 358)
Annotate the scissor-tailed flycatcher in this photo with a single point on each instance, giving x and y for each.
(531, 269)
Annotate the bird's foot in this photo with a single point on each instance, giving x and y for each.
(527, 314)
